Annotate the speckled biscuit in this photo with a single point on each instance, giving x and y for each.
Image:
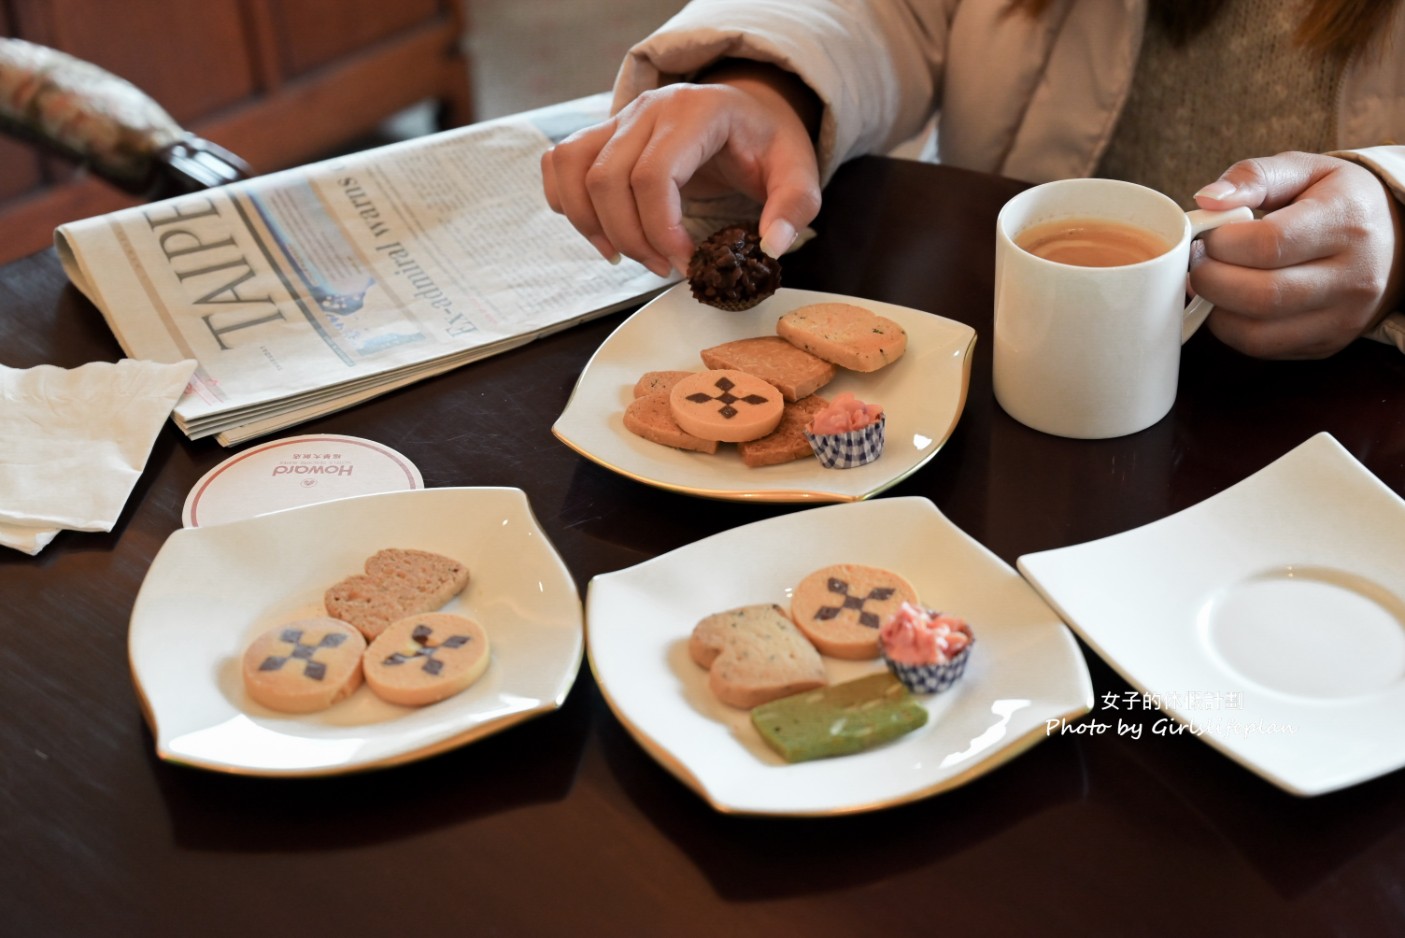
(304, 666)
(840, 608)
(754, 654)
(398, 582)
(849, 336)
(651, 382)
(426, 658)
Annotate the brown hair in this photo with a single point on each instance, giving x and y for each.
(1330, 27)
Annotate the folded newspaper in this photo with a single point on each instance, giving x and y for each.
(307, 291)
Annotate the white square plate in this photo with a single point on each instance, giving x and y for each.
(923, 394)
(1024, 670)
(1269, 619)
(211, 590)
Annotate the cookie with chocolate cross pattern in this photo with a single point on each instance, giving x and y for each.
(840, 607)
(304, 666)
(426, 658)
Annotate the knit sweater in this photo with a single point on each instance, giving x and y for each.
(1173, 138)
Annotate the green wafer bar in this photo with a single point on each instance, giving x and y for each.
(840, 719)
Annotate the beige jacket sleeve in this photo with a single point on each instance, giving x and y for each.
(876, 66)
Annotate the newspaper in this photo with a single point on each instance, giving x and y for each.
(307, 291)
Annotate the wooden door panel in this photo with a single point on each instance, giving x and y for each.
(192, 57)
(311, 33)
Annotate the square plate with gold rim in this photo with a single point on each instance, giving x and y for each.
(1025, 668)
(1268, 620)
(923, 394)
(211, 590)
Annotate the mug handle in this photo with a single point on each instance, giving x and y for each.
(1201, 220)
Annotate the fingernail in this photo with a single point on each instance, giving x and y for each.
(659, 267)
(1219, 189)
(606, 249)
(680, 264)
(778, 238)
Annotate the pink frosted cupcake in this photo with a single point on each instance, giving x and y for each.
(927, 650)
(847, 432)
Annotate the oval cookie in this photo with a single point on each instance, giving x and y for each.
(422, 659)
(725, 405)
(850, 336)
(840, 608)
(304, 666)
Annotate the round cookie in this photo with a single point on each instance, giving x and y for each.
(840, 608)
(425, 658)
(304, 666)
(725, 405)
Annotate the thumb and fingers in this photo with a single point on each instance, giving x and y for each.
(587, 177)
(622, 182)
(1314, 271)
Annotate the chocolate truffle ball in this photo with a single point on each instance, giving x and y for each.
(730, 271)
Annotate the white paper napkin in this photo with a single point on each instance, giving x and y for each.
(73, 443)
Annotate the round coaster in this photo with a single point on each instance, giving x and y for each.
(293, 472)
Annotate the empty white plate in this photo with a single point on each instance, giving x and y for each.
(1268, 620)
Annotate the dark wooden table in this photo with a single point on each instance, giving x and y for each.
(563, 825)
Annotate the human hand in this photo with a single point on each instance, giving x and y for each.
(1316, 271)
(622, 182)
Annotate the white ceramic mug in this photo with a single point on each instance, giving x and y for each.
(1094, 352)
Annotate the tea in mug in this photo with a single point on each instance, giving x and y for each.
(1091, 242)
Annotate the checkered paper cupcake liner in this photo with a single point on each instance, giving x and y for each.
(930, 678)
(847, 450)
